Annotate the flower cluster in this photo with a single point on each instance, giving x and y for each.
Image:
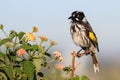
(58, 55)
(24, 55)
(21, 52)
(43, 38)
(52, 43)
(30, 36)
(35, 29)
(59, 66)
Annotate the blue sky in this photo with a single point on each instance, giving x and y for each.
(51, 16)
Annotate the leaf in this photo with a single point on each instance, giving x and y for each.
(1, 64)
(40, 74)
(45, 64)
(2, 56)
(3, 41)
(48, 54)
(37, 63)
(76, 78)
(25, 46)
(17, 71)
(84, 78)
(20, 35)
(2, 61)
(28, 68)
(11, 55)
(67, 70)
(9, 71)
(12, 34)
(18, 59)
(3, 76)
(34, 47)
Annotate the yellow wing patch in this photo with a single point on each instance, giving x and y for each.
(92, 36)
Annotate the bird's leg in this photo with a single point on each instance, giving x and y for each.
(79, 51)
(87, 52)
(79, 54)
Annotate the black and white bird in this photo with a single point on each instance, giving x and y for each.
(83, 36)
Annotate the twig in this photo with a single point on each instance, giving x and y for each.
(73, 64)
(74, 54)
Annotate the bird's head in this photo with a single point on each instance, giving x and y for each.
(77, 16)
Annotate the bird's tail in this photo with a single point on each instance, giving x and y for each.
(95, 63)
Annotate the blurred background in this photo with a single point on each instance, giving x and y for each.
(51, 17)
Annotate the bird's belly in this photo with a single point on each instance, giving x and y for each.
(80, 40)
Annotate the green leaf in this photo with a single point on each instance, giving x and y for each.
(20, 35)
(84, 78)
(34, 47)
(37, 64)
(25, 46)
(2, 64)
(12, 34)
(18, 59)
(2, 59)
(40, 74)
(2, 56)
(17, 72)
(3, 76)
(9, 71)
(48, 54)
(3, 41)
(28, 68)
(23, 77)
(76, 78)
(45, 64)
(67, 70)
(11, 55)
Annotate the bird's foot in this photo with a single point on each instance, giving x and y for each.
(78, 53)
(87, 52)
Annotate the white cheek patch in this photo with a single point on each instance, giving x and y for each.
(76, 19)
(84, 19)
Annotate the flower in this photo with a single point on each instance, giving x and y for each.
(35, 29)
(1, 26)
(58, 55)
(61, 58)
(43, 38)
(59, 66)
(30, 36)
(21, 52)
(52, 43)
(8, 44)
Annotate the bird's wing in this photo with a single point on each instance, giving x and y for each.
(91, 35)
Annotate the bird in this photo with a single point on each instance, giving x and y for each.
(83, 36)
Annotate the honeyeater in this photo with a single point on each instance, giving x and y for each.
(84, 36)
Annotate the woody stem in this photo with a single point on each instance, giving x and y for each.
(73, 64)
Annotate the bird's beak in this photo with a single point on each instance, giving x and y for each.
(70, 17)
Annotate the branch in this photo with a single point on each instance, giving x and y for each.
(74, 54)
(73, 64)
